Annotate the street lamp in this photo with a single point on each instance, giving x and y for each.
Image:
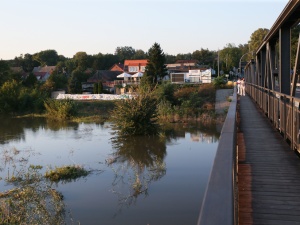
(240, 65)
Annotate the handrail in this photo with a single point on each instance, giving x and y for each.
(282, 110)
(218, 205)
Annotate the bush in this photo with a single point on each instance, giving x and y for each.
(60, 109)
(15, 98)
(136, 116)
(219, 81)
(9, 94)
(165, 92)
(190, 101)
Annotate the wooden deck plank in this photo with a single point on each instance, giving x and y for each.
(268, 171)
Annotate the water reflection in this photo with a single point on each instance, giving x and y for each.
(204, 133)
(137, 161)
(13, 129)
(133, 171)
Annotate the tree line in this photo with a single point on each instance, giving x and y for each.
(228, 57)
(70, 72)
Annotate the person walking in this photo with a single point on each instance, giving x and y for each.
(242, 87)
(238, 86)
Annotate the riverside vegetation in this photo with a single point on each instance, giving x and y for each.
(165, 102)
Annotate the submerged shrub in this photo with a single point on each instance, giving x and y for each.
(60, 109)
(136, 116)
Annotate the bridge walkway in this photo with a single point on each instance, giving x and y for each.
(268, 171)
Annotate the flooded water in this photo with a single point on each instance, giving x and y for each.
(134, 180)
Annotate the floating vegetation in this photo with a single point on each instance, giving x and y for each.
(66, 173)
(32, 201)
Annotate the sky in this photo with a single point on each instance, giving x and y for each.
(100, 26)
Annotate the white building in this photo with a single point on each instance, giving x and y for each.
(193, 76)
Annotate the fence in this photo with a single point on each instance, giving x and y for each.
(93, 96)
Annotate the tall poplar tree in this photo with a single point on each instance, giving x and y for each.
(156, 63)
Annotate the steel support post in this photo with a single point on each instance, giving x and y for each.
(285, 60)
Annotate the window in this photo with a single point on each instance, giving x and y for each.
(133, 68)
(143, 68)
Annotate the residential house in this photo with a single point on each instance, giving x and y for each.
(117, 67)
(135, 65)
(107, 78)
(43, 73)
(42, 76)
(89, 71)
(48, 69)
(183, 66)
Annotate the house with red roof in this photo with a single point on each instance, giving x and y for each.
(117, 67)
(41, 76)
(135, 65)
(43, 73)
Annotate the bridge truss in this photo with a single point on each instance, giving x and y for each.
(272, 81)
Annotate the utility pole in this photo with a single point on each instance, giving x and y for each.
(218, 62)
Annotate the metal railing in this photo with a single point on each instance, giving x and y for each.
(219, 206)
(281, 109)
(127, 82)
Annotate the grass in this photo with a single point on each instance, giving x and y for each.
(66, 173)
(94, 111)
(32, 201)
(92, 108)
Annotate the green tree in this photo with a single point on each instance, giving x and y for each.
(74, 82)
(47, 57)
(170, 58)
(70, 65)
(9, 95)
(95, 88)
(4, 71)
(256, 39)
(156, 67)
(98, 62)
(204, 56)
(30, 80)
(100, 87)
(110, 60)
(81, 60)
(60, 81)
(124, 53)
(61, 68)
(139, 54)
(230, 56)
(28, 63)
(245, 49)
